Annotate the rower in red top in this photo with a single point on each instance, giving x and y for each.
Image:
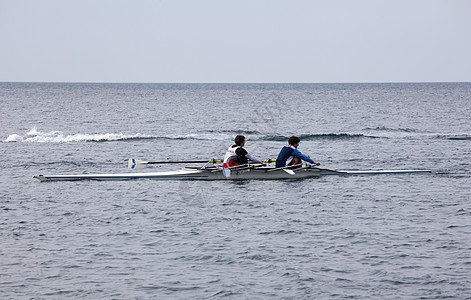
(236, 155)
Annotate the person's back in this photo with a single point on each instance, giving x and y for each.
(236, 155)
(285, 156)
(290, 155)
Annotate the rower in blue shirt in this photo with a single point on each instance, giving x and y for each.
(290, 155)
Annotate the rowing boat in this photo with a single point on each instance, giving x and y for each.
(215, 172)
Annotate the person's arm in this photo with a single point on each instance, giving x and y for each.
(243, 152)
(253, 158)
(298, 153)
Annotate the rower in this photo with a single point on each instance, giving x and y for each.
(290, 155)
(236, 155)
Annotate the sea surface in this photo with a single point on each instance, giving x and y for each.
(366, 237)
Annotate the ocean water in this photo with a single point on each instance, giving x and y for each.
(366, 237)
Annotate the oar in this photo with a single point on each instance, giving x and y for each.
(141, 164)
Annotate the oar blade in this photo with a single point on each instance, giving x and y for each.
(136, 164)
(226, 171)
(290, 172)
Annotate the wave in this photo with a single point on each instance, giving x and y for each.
(384, 128)
(235, 132)
(196, 136)
(455, 137)
(412, 133)
(35, 136)
(311, 137)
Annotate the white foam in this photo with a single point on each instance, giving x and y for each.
(14, 138)
(35, 136)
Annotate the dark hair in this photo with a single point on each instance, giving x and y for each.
(239, 139)
(293, 140)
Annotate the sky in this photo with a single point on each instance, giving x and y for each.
(241, 41)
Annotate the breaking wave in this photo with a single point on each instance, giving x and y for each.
(35, 136)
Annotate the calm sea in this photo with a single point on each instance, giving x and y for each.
(378, 237)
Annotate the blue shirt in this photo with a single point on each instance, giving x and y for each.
(286, 153)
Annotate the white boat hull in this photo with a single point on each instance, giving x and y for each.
(216, 174)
